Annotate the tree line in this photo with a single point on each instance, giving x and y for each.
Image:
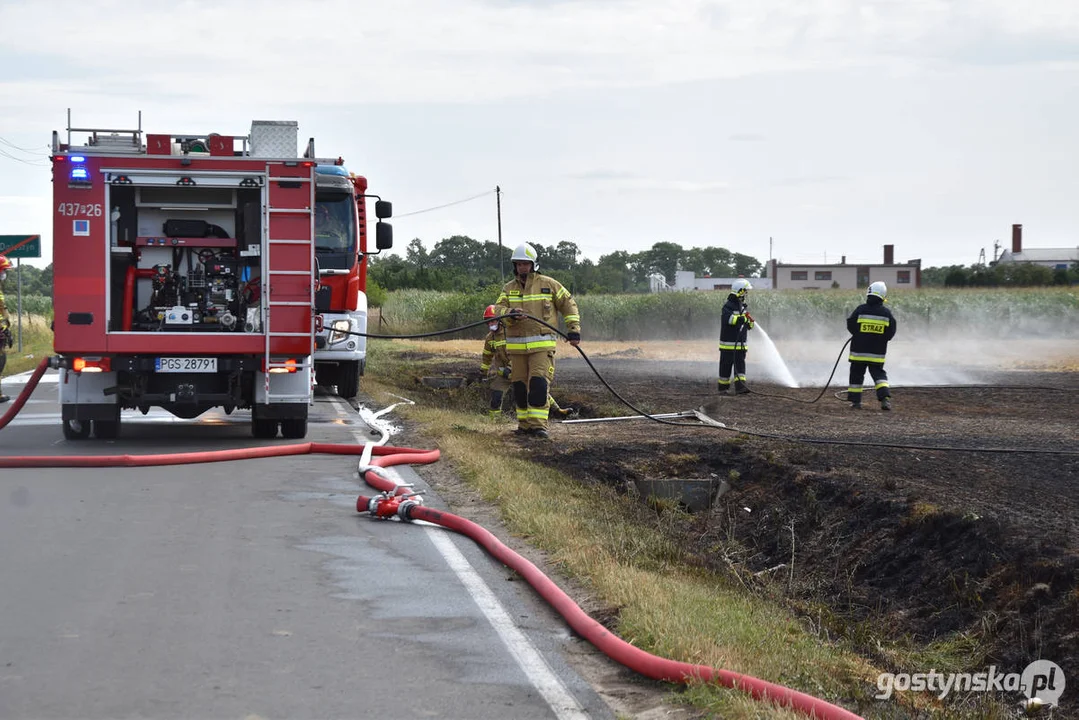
(35, 281)
(1000, 275)
(460, 263)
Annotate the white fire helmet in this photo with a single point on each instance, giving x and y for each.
(526, 253)
(879, 289)
(740, 286)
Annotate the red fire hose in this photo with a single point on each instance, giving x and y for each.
(397, 500)
(16, 406)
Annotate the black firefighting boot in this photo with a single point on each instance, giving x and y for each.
(886, 404)
(740, 387)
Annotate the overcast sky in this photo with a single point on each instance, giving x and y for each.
(832, 126)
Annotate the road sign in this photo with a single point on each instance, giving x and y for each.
(25, 246)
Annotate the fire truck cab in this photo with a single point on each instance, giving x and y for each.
(341, 251)
(184, 276)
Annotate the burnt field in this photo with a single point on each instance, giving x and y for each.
(950, 522)
(846, 510)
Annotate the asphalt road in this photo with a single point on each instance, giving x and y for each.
(252, 589)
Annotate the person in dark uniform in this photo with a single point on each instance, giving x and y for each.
(871, 326)
(736, 322)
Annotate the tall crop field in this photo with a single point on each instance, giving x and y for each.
(1011, 314)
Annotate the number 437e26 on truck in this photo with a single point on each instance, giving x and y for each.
(202, 271)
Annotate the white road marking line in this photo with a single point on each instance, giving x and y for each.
(539, 673)
(529, 659)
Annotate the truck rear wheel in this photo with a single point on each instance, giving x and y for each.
(74, 429)
(348, 379)
(294, 428)
(108, 429)
(262, 428)
(326, 375)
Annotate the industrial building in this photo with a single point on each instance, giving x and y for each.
(844, 276)
(1056, 258)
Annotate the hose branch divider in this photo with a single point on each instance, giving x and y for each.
(399, 501)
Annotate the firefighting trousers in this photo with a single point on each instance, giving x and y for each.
(857, 375)
(728, 360)
(499, 386)
(532, 376)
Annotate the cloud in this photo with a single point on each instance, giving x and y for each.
(626, 181)
(804, 180)
(348, 52)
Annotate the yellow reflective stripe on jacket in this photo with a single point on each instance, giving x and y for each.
(538, 296)
(866, 357)
(732, 346)
(735, 317)
(531, 343)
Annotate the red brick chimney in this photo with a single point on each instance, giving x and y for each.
(889, 254)
(1017, 239)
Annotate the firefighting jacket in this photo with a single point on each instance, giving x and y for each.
(543, 297)
(872, 325)
(735, 325)
(494, 349)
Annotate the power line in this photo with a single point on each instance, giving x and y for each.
(439, 207)
(36, 151)
(36, 163)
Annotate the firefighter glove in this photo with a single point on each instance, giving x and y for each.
(504, 372)
(516, 313)
(573, 336)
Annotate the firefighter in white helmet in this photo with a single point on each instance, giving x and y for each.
(530, 344)
(871, 326)
(5, 323)
(735, 324)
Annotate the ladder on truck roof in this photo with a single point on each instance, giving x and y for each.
(288, 296)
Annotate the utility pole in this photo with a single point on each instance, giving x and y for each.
(501, 254)
(18, 291)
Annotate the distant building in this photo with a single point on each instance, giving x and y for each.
(847, 277)
(685, 280)
(1056, 258)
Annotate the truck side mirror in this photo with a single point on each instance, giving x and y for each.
(383, 235)
(383, 209)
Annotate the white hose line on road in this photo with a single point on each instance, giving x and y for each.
(528, 658)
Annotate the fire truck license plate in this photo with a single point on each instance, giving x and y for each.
(186, 364)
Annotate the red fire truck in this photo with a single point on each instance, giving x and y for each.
(184, 276)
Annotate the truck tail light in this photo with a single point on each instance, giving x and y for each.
(91, 364)
(279, 365)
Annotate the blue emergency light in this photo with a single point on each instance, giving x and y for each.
(79, 174)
